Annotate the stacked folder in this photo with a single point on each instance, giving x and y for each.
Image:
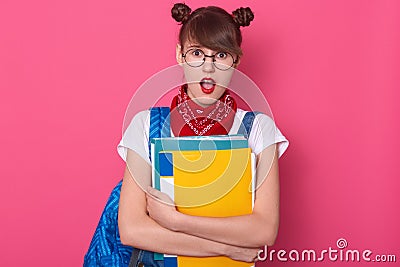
(205, 176)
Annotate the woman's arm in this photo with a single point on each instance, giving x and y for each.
(257, 229)
(137, 229)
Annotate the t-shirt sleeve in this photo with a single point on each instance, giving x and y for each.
(136, 137)
(265, 133)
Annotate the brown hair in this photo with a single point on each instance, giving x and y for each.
(212, 26)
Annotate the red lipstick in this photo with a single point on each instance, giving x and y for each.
(207, 85)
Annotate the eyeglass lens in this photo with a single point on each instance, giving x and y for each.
(196, 58)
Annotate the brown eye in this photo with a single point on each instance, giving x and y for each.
(221, 55)
(197, 53)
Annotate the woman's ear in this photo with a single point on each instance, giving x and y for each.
(179, 58)
(237, 62)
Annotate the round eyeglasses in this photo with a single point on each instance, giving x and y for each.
(196, 57)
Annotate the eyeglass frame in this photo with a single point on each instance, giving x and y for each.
(213, 58)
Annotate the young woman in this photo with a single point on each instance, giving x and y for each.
(208, 50)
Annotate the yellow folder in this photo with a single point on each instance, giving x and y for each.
(213, 183)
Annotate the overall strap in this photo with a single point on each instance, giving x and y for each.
(159, 124)
(247, 123)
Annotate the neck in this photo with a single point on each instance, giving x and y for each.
(198, 100)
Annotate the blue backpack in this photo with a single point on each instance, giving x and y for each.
(106, 248)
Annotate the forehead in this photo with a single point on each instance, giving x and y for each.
(190, 45)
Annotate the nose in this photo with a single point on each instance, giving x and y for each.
(208, 65)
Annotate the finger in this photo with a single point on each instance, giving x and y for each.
(154, 192)
(149, 200)
(160, 195)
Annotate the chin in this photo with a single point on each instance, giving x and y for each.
(205, 101)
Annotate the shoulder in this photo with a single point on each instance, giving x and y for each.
(263, 120)
(142, 115)
(140, 119)
(258, 120)
(135, 136)
(264, 133)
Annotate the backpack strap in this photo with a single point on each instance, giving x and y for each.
(159, 127)
(247, 123)
(106, 248)
(159, 124)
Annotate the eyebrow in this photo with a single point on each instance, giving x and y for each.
(194, 45)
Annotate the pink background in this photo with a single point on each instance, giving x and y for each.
(329, 69)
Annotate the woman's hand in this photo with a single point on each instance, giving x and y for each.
(161, 208)
(243, 254)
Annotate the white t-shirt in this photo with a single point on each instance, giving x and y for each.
(263, 134)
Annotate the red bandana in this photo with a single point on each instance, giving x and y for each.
(188, 118)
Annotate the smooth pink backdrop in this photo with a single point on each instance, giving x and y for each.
(329, 69)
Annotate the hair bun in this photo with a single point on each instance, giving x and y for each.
(180, 12)
(243, 16)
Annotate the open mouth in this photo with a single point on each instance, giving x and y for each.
(207, 85)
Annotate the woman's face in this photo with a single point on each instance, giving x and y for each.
(206, 83)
